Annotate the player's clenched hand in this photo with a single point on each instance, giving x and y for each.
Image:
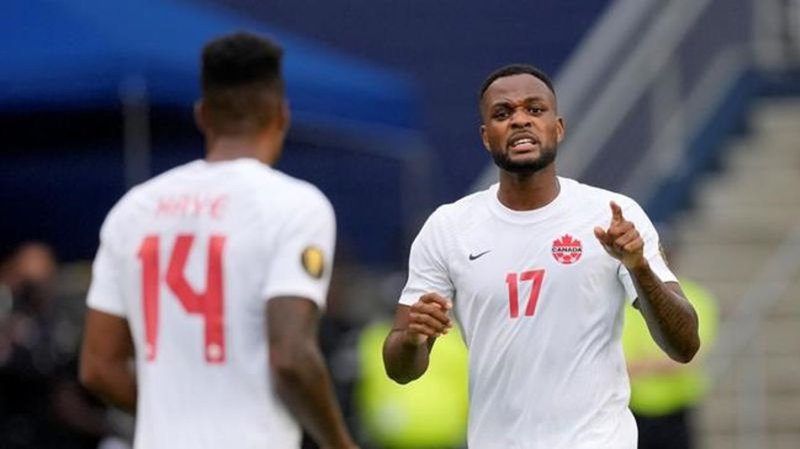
(427, 318)
(621, 240)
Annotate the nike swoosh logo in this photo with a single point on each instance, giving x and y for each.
(475, 256)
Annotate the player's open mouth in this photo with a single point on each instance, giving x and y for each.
(523, 143)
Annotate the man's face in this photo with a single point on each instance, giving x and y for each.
(520, 126)
(33, 275)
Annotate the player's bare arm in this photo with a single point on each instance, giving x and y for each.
(301, 377)
(408, 345)
(670, 317)
(105, 361)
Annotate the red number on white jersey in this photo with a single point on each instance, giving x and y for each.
(536, 277)
(208, 304)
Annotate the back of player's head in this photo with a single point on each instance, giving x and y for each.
(516, 69)
(241, 82)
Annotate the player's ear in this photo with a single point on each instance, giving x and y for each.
(561, 128)
(485, 138)
(199, 113)
(284, 115)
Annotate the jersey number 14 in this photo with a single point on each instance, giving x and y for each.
(208, 304)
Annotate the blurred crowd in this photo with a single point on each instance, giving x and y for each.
(43, 406)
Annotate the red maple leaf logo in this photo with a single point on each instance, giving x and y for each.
(567, 240)
(567, 249)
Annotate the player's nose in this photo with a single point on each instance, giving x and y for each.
(519, 119)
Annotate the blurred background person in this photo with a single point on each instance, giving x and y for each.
(41, 403)
(430, 413)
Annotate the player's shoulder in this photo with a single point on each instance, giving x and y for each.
(158, 182)
(599, 197)
(247, 176)
(295, 193)
(463, 211)
(461, 207)
(297, 187)
(279, 195)
(139, 193)
(123, 212)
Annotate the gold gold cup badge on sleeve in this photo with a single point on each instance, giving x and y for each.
(313, 261)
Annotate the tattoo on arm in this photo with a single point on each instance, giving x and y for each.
(670, 317)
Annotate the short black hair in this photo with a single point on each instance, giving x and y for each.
(241, 79)
(516, 69)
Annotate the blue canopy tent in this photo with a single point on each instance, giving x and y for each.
(59, 52)
(62, 55)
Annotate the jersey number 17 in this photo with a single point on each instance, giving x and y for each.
(535, 277)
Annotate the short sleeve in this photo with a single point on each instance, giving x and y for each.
(427, 270)
(302, 258)
(652, 249)
(105, 290)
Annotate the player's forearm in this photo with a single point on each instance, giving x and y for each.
(405, 361)
(671, 319)
(303, 383)
(114, 383)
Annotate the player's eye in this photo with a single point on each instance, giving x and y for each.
(500, 114)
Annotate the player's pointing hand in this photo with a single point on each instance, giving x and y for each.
(621, 240)
(428, 318)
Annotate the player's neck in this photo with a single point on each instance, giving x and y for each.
(528, 191)
(225, 148)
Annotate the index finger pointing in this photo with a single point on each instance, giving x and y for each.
(616, 213)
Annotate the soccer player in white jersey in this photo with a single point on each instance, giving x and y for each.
(213, 276)
(536, 270)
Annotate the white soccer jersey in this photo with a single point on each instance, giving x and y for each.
(190, 259)
(540, 303)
